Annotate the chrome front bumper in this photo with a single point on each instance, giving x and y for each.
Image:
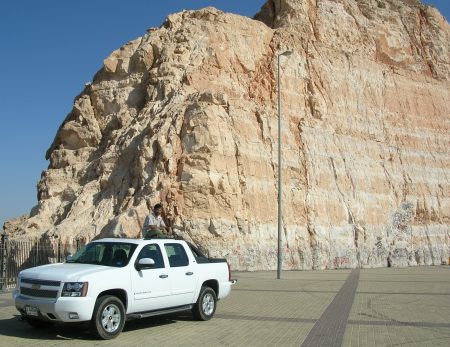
(56, 310)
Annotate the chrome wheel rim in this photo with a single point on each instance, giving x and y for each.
(111, 318)
(208, 304)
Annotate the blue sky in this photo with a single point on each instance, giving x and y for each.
(49, 50)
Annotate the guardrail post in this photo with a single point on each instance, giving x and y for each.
(3, 264)
(37, 253)
(59, 250)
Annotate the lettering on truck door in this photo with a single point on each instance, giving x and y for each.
(151, 286)
(182, 274)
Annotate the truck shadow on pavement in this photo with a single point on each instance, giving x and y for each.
(14, 327)
(156, 321)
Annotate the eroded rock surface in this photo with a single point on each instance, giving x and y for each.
(187, 115)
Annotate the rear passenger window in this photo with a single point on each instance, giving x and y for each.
(176, 254)
(197, 253)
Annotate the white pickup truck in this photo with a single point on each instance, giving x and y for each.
(110, 281)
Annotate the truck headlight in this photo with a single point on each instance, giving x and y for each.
(75, 289)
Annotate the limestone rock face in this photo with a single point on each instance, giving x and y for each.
(187, 115)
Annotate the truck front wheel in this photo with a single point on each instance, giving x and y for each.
(206, 304)
(108, 319)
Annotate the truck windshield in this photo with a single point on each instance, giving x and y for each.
(115, 254)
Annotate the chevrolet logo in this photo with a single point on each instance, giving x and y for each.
(35, 286)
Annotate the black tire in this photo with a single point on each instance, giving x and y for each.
(205, 307)
(108, 319)
(38, 323)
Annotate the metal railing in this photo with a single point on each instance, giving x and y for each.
(16, 256)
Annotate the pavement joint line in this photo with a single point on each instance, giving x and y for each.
(286, 291)
(329, 330)
(402, 293)
(400, 323)
(333, 291)
(391, 281)
(309, 279)
(265, 318)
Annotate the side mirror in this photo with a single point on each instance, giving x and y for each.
(145, 263)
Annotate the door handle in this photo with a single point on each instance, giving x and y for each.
(189, 273)
(163, 276)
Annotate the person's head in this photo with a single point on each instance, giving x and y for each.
(158, 209)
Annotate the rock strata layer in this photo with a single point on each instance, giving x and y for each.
(187, 115)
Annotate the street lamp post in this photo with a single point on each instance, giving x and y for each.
(280, 261)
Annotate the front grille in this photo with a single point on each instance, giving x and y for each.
(39, 293)
(41, 282)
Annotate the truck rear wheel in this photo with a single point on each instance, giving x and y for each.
(108, 319)
(206, 304)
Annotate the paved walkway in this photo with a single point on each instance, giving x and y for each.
(368, 307)
(330, 328)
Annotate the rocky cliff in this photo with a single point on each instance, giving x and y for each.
(187, 115)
